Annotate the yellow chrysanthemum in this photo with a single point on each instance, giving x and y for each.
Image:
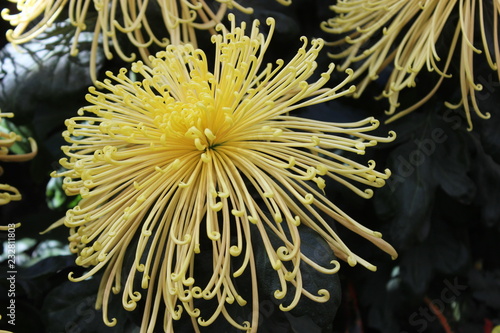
(406, 32)
(183, 155)
(181, 18)
(9, 193)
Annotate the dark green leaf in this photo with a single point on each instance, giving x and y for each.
(487, 178)
(408, 195)
(416, 269)
(314, 247)
(486, 287)
(71, 307)
(44, 71)
(48, 266)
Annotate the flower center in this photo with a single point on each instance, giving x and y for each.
(202, 140)
(188, 117)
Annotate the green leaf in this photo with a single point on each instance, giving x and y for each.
(433, 153)
(48, 267)
(487, 177)
(441, 253)
(486, 287)
(407, 198)
(43, 71)
(71, 307)
(314, 247)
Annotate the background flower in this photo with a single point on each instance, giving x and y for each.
(188, 158)
(407, 37)
(146, 24)
(9, 193)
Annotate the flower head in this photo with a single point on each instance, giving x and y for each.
(406, 33)
(9, 193)
(181, 19)
(185, 155)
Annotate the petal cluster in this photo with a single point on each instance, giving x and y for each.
(405, 34)
(9, 193)
(175, 158)
(144, 23)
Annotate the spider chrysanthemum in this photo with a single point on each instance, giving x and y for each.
(406, 33)
(174, 22)
(181, 155)
(10, 193)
